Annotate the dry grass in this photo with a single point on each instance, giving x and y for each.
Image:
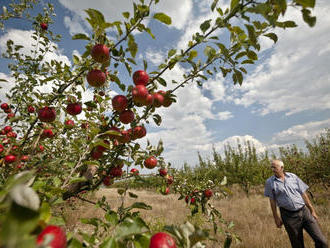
(252, 216)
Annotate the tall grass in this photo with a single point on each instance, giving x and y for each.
(251, 215)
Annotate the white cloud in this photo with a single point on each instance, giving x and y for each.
(225, 115)
(180, 12)
(74, 25)
(155, 57)
(296, 76)
(22, 37)
(301, 132)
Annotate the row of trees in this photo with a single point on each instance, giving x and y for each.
(242, 164)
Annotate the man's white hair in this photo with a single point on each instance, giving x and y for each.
(279, 162)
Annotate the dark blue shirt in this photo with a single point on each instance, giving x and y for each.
(287, 194)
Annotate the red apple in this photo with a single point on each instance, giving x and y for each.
(116, 172)
(41, 148)
(74, 108)
(44, 26)
(107, 181)
(1, 148)
(10, 159)
(158, 99)
(138, 132)
(10, 115)
(84, 125)
(140, 77)
(208, 193)
(7, 129)
(150, 162)
(127, 116)
(56, 233)
(100, 53)
(95, 154)
(11, 135)
(25, 158)
(47, 133)
(162, 240)
(96, 78)
(134, 171)
(167, 100)
(169, 179)
(7, 110)
(69, 123)
(31, 109)
(4, 106)
(116, 130)
(140, 93)
(47, 114)
(102, 148)
(119, 103)
(192, 199)
(125, 136)
(163, 172)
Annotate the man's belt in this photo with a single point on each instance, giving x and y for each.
(292, 211)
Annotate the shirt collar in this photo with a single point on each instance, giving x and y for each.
(286, 175)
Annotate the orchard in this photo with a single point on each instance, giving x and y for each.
(55, 146)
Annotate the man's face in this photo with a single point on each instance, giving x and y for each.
(276, 168)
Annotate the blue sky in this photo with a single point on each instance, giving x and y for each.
(284, 99)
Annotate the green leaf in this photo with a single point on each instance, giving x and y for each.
(74, 243)
(96, 20)
(286, 24)
(238, 77)
(306, 3)
(132, 195)
(129, 227)
(214, 4)
(142, 240)
(126, 15)
(310, 20)
(252, 55)
(272, 36)
(192, 54)
(140, 205)
(163, 18)
(91, 221)
(78, 180)
(161, 81)
(132, 46)
(227, 242)
(210, 52)
(80, 37)
(240, 55)
(248, 61)
(109, 242)
(252, 34)
(18, 222)
(112, 217)
(205, 25)
(157, 119)
(233, 4)
(3, 80)
(171, 53)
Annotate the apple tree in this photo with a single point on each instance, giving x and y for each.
(55, 145)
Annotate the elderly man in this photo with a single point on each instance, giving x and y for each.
(288, 192)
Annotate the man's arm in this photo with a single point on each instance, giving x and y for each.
(277, 219)
(309, 204)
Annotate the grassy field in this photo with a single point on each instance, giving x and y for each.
(252, 216)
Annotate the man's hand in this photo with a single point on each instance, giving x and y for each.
(278, 222)
(314, 215)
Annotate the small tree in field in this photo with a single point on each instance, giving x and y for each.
(49, 152)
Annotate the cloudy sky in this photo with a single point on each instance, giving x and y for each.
(284, 99)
